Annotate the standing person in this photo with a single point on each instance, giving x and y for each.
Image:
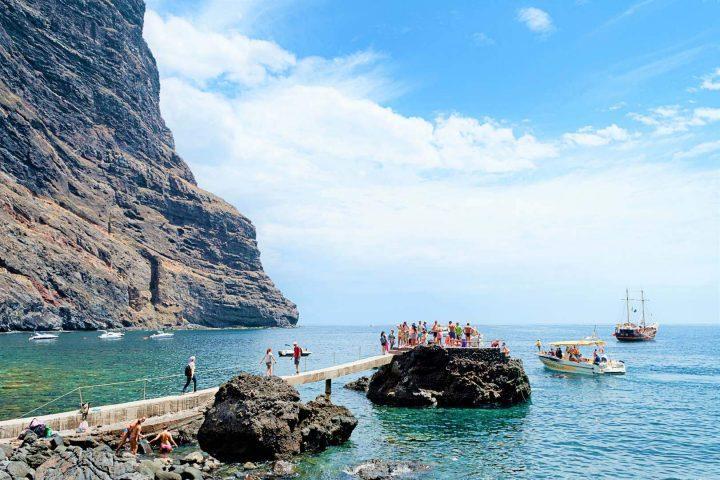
(190, 374)
(538, 344)
(166, 441)
(133, 432)
(458, 333)
(468, 333)
(451, 334)
(505, 350)
(269, 361)
(297, 353)
(391, 339)
(383, 343)
(435, 331)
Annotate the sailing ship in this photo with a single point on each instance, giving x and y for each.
(632, 332)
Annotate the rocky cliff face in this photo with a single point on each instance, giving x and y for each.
(101, 222)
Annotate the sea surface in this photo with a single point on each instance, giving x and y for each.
(661, 420)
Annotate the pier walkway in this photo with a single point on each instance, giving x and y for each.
(175, 409)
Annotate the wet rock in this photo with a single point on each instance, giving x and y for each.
(193, 457)
(167, 476)
(435, 376)
(191, 473)
(283, 468)
(384, 470)
(102, 223)
(258, 418)
(359, 385)
(323, 424)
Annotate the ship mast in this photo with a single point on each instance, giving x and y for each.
(642, 302)
(627, 304)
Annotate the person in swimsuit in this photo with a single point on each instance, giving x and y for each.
(133, 433)
(450, 339)
(468, 333)
(269, 361)
(165, 440)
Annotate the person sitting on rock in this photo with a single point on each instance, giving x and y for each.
(133, 433)
(166, 441)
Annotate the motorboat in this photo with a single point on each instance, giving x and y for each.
(44, 336)
(110, 335)
(289, 353)
(572, 361)
(635, 332)
(160, 334)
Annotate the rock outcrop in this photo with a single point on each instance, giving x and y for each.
(436, 376)
(261, 418)
(359, 385)
(101, 222)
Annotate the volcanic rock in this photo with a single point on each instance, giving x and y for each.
(386, 470)
(102, 224)
(359, 385)
(257, 418)
(456, 377)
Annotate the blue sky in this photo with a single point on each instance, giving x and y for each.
(500, 162)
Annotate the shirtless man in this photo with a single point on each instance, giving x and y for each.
(165, 440)
(133, 433)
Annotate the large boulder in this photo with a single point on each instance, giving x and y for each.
(261, 418)
(435, 376)
(74, 463)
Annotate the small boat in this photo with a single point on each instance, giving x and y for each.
(632, 332)
(289, 353)
(578, 363)
(160, 334)
(109, 335)
(44, 336)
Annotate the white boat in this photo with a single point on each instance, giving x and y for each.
(581, 364)
(289, 353)
(110, 335)
(44, 336)
(160, 334)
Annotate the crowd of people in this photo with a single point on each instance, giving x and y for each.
(454, 334)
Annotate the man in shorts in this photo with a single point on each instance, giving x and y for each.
(297, 353)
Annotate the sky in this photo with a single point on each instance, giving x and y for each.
(493, 162)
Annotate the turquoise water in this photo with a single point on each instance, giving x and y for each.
(658, 421)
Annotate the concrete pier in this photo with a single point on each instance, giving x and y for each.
(173, 408)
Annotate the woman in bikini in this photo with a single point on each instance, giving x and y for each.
(133, 433)
(166, 441)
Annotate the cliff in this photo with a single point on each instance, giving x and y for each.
(101, 222)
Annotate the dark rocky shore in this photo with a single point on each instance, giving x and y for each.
(261, 418)
(450, 377)
(101, 222)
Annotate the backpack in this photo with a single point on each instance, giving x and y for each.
(188, 371)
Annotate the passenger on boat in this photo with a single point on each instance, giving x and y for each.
(558, 353)
(538, 344)
(596, 357)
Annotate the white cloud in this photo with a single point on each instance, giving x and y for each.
(201, 55)
(481, 39)
(700, 149)
(305, 147)
(537, 20)
(591, 137)
(711, 81)
(672, 119)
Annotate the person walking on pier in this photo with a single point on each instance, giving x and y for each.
(269, 360)
(297, 353)
(190, 375)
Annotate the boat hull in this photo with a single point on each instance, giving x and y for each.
(635, 334)
(582, 368)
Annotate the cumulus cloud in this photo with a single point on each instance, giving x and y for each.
(306, 148)
(711, 81)
(537, 20)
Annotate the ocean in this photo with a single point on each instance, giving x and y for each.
(660, 420)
